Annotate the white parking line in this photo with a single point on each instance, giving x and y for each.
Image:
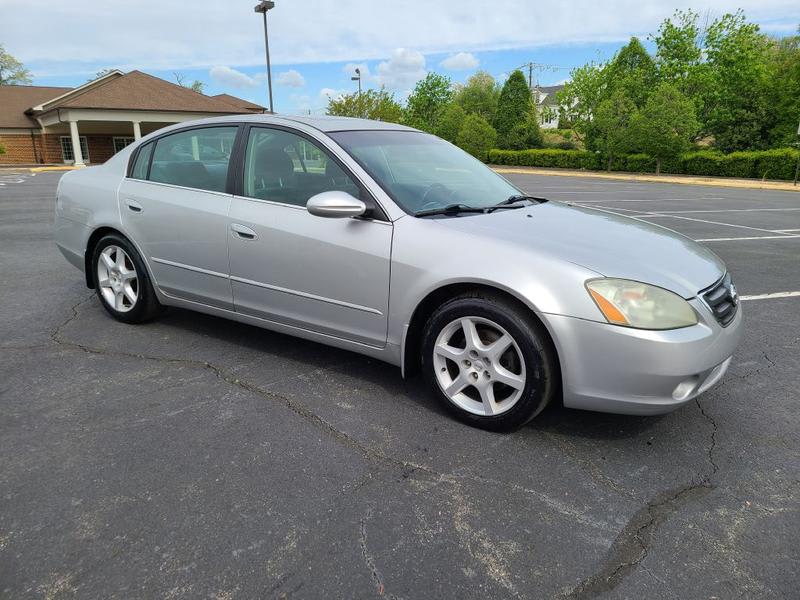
(760, 237)
(647, 199)
(770, 296)
(725, 210)
(641, 214)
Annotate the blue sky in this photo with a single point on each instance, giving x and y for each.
(316, 44)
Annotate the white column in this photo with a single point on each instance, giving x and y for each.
(76, 143)
(137, 130)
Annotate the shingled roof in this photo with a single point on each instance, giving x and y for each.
(239, 103)
(19, 104)
(140, 91)
(16, 99)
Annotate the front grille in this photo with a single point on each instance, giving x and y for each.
(723, 300)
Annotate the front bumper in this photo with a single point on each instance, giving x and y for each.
(615, 369)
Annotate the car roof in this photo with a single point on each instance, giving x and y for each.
(325, 124)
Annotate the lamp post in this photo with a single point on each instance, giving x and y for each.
(262, 7)
(357, 77)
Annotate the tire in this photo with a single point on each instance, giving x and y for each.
(121, 281)
(522, 373)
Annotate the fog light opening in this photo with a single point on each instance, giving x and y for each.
(685, 388)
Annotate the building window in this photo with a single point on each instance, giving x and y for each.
(121, 142)
(66, 148)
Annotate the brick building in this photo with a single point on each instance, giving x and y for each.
(88, 124)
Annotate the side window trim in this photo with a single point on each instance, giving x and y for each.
(379, 214)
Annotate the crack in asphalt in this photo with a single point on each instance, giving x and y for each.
(713, 443)
(632, 545)
(368, 558)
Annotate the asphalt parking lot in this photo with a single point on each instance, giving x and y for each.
(193, 457)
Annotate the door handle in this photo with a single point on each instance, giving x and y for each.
(134, 206)
(243, 232)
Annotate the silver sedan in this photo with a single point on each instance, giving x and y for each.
(387, 241)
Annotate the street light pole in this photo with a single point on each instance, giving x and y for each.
(262, 7)
(357, 78)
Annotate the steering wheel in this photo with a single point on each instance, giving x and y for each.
(433, 188)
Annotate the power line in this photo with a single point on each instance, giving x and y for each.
(539, 67)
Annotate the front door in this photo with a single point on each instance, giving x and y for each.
(330, 276)
(176, 208)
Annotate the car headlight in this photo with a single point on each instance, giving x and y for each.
(639, 305)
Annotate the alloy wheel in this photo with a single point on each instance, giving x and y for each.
(479, 366)
(117, 279)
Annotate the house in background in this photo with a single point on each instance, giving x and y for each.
(547, 106)
(90, 123)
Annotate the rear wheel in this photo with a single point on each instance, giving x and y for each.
(121, 281)
(489, 363)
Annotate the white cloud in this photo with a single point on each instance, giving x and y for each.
(404, 68)
(79, 35)
(330, 93)
(291, 78)
(462, 61)
(227, 77)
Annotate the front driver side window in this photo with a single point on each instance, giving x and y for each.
(283, 167)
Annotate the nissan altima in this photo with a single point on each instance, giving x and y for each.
(391, 242)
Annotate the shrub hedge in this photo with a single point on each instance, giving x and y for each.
(766, 164)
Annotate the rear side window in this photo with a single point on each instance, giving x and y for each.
(142, 162)
(197, 158)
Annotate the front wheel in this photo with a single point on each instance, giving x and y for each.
(121, 281)
(489, 363)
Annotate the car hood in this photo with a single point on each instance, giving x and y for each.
(609, 244)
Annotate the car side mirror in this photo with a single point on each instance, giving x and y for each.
(335, 205)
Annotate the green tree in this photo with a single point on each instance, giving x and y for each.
(784, 92)
(581, 95)
(450, 121)
(12, 72)
(479, 95)
(611, 133)
(378, 105)
(735, 83)
(2, 149)
(666, 126)
(429, 97)
(678, 51)
(514, 106)
(525, 134)
(632, 71)
(477, 137)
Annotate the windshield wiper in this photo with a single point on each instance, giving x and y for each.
(511, 200)
(450, 209)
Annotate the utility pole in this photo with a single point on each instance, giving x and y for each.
(534, 66)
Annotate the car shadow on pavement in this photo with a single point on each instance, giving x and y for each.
(555, 419)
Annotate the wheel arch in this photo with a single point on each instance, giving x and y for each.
(413, 336)
(94, 238)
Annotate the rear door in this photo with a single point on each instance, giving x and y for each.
(326, 275)
(175, 206)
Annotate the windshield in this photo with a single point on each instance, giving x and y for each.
(422, 172)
